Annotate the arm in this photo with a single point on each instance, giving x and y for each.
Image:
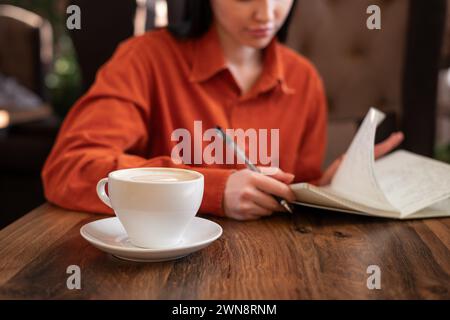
(107, 130)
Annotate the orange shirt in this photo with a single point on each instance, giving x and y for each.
(155, 84)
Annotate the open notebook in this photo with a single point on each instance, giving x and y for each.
(400, 185)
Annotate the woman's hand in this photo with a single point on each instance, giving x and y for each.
(248, 194)
(380, 150)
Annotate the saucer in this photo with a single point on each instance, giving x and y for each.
(109, 235)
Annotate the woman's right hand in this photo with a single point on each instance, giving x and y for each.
(249, 195)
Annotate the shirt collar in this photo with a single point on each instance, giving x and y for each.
(208, 60)
(208, 57)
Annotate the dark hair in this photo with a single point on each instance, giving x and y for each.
(197, 18)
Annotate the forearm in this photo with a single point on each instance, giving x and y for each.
(70, 180)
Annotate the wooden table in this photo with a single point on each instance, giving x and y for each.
(312, 254)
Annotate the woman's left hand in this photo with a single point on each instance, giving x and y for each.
(380, 150)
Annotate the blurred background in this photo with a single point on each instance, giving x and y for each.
(402, 69)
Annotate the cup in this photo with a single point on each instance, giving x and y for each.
(154, 205)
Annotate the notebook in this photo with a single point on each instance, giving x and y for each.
(401, 185)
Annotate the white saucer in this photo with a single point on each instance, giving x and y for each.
(109, 235)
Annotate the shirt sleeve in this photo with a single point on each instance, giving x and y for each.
(311, 151)
(107, 130)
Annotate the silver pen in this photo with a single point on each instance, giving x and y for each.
(249, 165)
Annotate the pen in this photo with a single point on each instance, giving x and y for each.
(249, 165)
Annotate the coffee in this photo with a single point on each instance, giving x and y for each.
(163, 177)
(154, 205)
(156, 175)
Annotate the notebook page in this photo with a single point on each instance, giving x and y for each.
(324, 197)
(412, 182)
(355, 179)
(439, 209)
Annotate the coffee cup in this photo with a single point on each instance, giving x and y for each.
(154, 205)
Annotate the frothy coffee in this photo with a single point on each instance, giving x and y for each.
(154, 205)
(172, 176)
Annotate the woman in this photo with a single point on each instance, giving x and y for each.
(224, 67)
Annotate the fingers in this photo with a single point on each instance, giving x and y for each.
(388, 145)
(380, 150)
(251, 211)
(330, 172)
(263, 200)
(249, 195)
(272, 186)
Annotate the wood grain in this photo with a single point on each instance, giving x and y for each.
(312, 254)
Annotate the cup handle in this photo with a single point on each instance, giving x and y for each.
(101, 192)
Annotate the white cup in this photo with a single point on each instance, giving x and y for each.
(154, 205)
